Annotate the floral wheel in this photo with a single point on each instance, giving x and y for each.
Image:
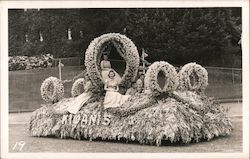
(126, 49)
(193, 77)
(151, 77)
(52, 89)
(76, 88)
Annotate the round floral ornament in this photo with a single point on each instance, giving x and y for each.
(76, 88)
(129, 53)
(52, 89)
(151, 78)
(193, 77)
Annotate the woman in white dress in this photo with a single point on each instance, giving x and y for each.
(113, 98)
(106, 67)
(73, 105)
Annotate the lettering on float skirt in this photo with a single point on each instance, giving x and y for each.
(87, 119)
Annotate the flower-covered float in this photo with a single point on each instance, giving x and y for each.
(178, 112)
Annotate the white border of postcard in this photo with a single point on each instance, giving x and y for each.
(5, 5)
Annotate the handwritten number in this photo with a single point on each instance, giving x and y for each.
(19, 145)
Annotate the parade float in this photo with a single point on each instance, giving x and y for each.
(177, 112)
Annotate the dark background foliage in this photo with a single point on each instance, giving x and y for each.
(208, 36)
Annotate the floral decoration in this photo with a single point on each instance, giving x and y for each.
(151, 81)
(165, 119)
(192, 69)
(76, 88)
(127, 49)
(52, 89)
(157, 115)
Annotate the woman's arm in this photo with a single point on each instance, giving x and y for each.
(106, 86)
(108, 89)
(102, 67)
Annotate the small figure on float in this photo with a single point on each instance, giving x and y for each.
(113, 98)
(106, 67)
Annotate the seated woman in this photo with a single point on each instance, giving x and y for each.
(106, 67)
(113, 98)
(73, 105)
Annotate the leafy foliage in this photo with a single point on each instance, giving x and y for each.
(184, 35)
(208, 36)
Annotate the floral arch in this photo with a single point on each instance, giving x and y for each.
(125, 47)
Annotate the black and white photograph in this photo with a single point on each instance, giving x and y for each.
(125, 79)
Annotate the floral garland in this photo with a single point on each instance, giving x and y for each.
(200, 84)
(151, 82)
(130, 55)
(76, 89)
(52, 90)
(133, 105)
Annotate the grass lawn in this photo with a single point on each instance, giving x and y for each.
(19, 132)
(24, 86)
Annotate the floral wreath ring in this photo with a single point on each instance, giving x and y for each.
(126, 49)
(151, 81)
(193, 69)
(52, 89)
(76, 89)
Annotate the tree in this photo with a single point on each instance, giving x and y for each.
(208, 36)
(184, 35)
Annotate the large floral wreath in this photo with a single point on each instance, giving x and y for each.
(200, 77)
(52, 89)
(126, 49)
(151, 82)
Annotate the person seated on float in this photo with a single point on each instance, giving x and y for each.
(106, 67)
(73, 105)
(112, 97)
(140, 83)
(132, 90)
